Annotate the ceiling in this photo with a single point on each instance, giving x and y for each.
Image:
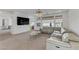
(32, 11)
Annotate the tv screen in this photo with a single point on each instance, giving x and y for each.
(22, 21)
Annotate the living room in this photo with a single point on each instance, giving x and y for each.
(38, 29)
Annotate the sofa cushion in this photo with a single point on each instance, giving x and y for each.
(73, 37)
(63, 30)
(74, 44)
(54, 40)
(47, 29)
(65, 37)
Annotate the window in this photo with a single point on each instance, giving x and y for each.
(52, 23)
(46, 24)
(32, 23)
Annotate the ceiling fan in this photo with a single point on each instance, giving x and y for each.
(39, 13)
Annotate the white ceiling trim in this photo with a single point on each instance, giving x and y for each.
(32, 11)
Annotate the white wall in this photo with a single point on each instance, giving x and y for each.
(12, 20)
(16, 29)
(7, 19)
(66, 18)
(74, 20)
(71, 21)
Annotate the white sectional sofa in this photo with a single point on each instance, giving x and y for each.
(69, 41)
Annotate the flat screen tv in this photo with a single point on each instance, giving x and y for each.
(22, 21)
